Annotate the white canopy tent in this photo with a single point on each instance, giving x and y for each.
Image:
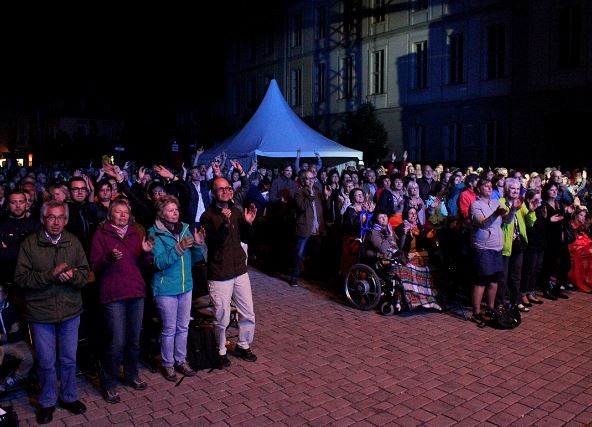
(276, 131)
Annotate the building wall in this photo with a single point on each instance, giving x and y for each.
(522, 89)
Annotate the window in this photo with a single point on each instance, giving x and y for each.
(320, 22)
(349, 17)
(454, 142)
(420, 142)
(420, 5)
(570, 36)
(235, 98)
(493, 143)
(421, 65)
(320, 82)
(377, 70)
(496, 51)
(347, 77)
(379, 11)
(297, 30)
(456, 58)
(296, 87)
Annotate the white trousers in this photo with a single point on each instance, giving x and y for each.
(237, 290)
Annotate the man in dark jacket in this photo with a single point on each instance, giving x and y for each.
(52, 269)
(83, 214)
(226, 227)
(13, 229)
(427, 185)
(309, 220)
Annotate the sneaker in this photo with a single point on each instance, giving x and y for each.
(112, 396)
(224, 362)
(245, 354)
(184, 369)
(169, 373)
(137, 384)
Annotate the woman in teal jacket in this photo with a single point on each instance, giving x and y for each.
(175, 250)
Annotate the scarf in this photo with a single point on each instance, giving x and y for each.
(174, 227)
(121, 230)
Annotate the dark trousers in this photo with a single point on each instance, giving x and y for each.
(510, 280)
(532, 266)
(123, 322)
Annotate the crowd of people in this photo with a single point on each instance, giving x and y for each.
(109, 240)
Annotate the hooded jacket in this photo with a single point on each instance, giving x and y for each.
(173, 266)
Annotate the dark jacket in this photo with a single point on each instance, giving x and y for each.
(121, 279)
(193, 199)
(82, 222)
(427, 187)
(47, 299)
(226, 256)
(305, 213)
(12, 233)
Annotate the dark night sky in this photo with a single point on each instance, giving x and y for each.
(141, 59)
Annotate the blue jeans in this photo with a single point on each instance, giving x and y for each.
(174, 312)
(123, 322)
(299, 257)
(51, 339)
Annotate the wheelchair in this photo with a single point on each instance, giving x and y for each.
(374, 281)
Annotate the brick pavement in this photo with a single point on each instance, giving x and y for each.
(323, 363)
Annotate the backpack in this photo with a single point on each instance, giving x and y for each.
(505, 318)
(202, 351)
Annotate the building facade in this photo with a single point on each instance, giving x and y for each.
(460, 81)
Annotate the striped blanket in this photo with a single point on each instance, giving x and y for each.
(419, 281)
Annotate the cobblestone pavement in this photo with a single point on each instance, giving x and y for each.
(324, 363)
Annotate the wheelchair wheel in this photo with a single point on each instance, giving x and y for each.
(387, 308)
(363, 287)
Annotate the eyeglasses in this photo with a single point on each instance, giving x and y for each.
(80, 189)
(53, 218)
(228, 189)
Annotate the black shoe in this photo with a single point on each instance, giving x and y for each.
(549, 295)
(245, 354)
(111, 396)
(45, 415)
(76, 407)
(137, 384)
(224, 362)
(294, 283)
(560, 294)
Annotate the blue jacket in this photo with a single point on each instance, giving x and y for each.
(173, 268)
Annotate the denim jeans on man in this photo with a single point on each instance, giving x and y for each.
(51, 339)
(123, 322)
(175, 313)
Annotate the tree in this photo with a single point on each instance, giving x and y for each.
(363, 131)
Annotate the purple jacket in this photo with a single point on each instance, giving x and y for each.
(121, 279)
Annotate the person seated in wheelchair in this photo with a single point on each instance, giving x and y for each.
(12, 343)
(381, 241)
(419, 274)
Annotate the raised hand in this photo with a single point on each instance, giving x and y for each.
(250, 213)
(236, 165)
(556, 218)
(163, 172)
(147, 244)
(298, 151)
(199, 236)
(404, 155)
(141, 173)
(517, 203)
